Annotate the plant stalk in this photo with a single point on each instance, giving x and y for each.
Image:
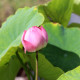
(23, 65)
(36, 65)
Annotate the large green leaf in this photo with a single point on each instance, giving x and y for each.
(46, 69)
(10, 70)
(64, 38)
(71, 75)
(12, 29)
(57, 11)
(63, 49)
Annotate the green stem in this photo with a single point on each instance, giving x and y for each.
(36, 65)
(23, 65)
(29, 71)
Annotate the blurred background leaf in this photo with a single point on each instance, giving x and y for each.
(75, 17)
(8, 7)
(57, 11)
(76, 7)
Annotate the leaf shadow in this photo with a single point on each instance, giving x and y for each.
(61, 58)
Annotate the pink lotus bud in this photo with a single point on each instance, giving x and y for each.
(34, 39)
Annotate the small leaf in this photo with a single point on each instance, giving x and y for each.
(71, 75)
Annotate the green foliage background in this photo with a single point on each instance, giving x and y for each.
(62, 53)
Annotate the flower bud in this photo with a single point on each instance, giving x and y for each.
(34, 39)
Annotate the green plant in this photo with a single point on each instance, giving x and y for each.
(62, 52)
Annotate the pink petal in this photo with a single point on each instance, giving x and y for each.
(22, 39)
(44, 33)
(28, 47)
(35, 37)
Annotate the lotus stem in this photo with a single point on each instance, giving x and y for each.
(23, 65)
(36, 65)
